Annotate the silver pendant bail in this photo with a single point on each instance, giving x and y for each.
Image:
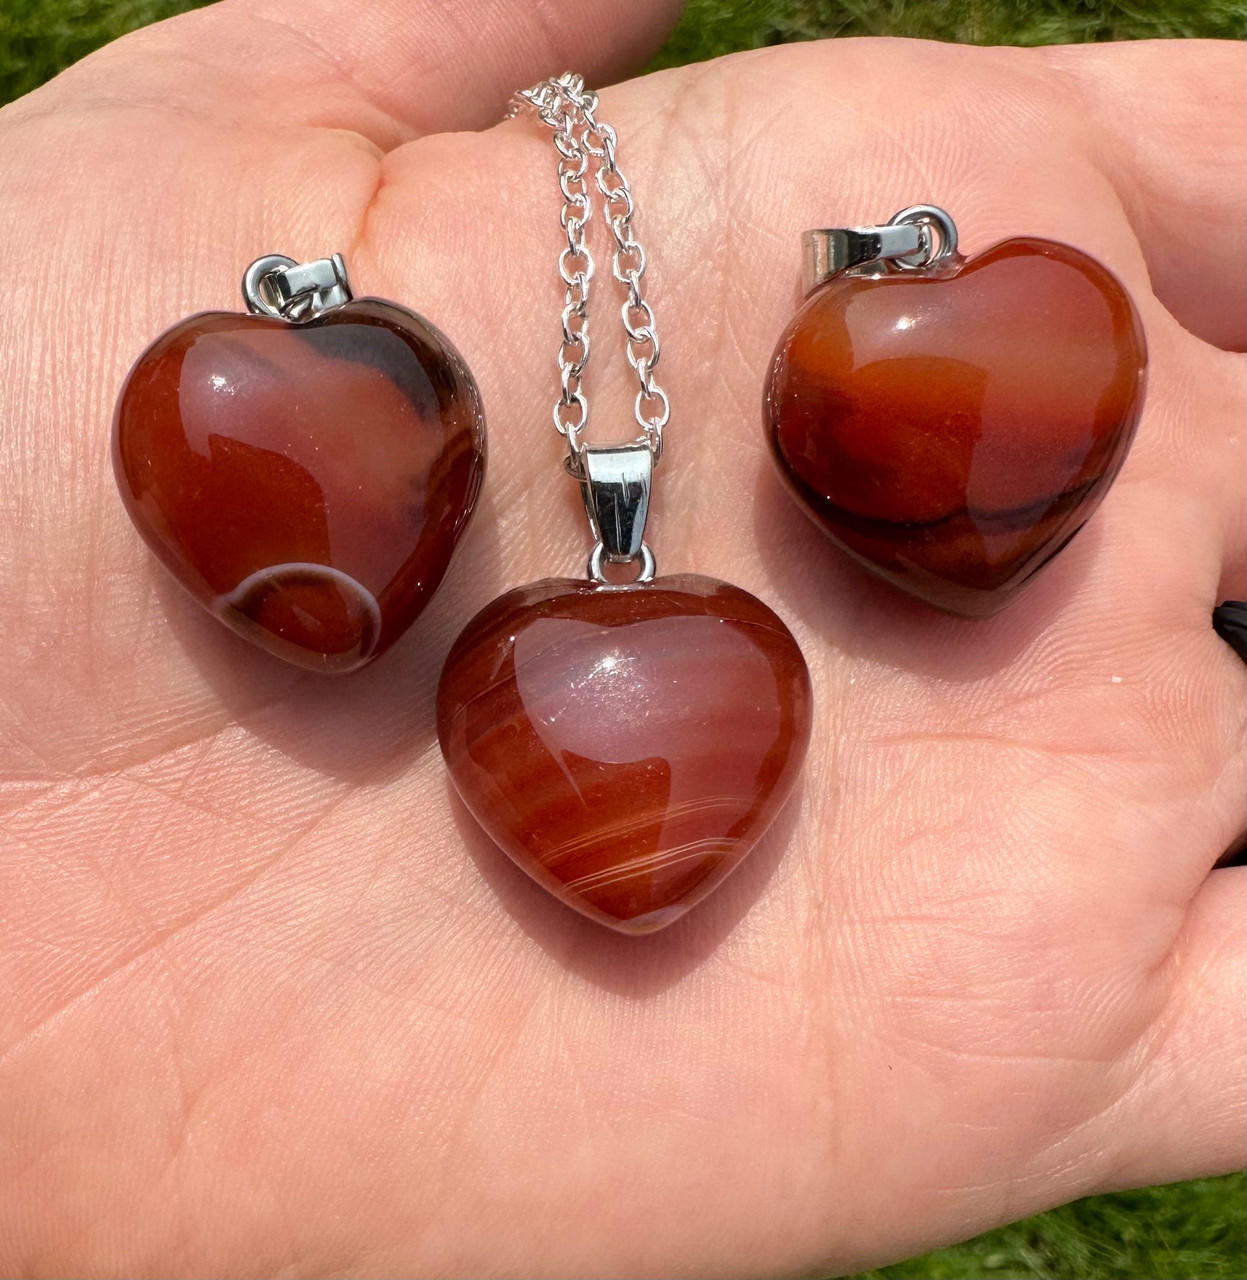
(911, 240)
(280, 287)
(615, 484)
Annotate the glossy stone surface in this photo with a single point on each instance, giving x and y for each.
(953, 431)
(626, 746)
(306, 483)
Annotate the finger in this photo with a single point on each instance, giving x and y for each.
(1234, 569)
(1229, 620)
(1196, 460)
(1186, 1114)
(389, 69)
(1190, 457)
(1166, 119)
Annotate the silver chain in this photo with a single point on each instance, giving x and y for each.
(587, 146)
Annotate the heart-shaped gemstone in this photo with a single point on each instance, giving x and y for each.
(306, 483)
(952, 430)
(626, 746)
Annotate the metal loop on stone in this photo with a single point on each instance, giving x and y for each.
(277, 286)
(598, 559)
(939, 236)
(914, 239)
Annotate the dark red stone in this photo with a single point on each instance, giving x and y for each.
(626, 746)
(306, 483)
(953, 431)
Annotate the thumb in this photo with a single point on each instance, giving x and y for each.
(389, 69)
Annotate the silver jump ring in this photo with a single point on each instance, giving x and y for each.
(597, 564)
(937, 247)
(253, 284)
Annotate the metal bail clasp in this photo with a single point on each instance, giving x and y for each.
(615, 484)
(912, 240)
(280, 287)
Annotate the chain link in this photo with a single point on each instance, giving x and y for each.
(586, 146)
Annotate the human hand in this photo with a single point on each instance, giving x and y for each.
(261, 1012)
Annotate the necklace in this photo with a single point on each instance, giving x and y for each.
(625, 744)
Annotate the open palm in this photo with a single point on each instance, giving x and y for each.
(270, 1003)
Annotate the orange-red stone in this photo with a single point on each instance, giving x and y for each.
(626, 746)
(306, 483)
(953, 431)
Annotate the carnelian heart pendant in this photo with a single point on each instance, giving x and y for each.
(952, 428)
(625, 746)
(304, 472)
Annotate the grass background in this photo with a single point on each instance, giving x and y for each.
(1188, 1231)
(39, 37)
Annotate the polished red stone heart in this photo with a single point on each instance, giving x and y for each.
(306, 483)
(626, 746)
(953, 430)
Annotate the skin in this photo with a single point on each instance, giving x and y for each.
(271, 1005)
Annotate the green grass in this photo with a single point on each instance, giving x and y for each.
(1188, 1231)
(39, 37)
(713, 27)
